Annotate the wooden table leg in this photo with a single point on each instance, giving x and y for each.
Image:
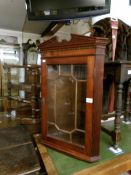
(117, 132)
(127, 110)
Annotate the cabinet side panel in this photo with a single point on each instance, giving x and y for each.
(97, 107)
(44, 99)
(89, 103)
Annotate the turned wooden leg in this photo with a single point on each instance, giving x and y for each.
(127, 110)
(117, 132)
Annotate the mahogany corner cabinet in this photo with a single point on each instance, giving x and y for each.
(72, 88)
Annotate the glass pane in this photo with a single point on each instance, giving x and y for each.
(66, 102)
(14, 79)
(65, 69)
(81, 105)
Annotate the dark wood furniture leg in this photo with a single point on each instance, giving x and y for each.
(121, 73)
(127, 110)
(117, 132)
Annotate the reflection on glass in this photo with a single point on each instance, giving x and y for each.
(66, 102)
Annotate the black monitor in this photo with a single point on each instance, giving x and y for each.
(56, 10)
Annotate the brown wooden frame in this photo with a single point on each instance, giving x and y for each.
(79, 50)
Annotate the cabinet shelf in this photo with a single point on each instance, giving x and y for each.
(33, 66)
(19, 99)
(24, 86)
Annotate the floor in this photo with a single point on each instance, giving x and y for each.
(71, 163)
(17, 151)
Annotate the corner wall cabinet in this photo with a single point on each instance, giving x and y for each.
(72, 87)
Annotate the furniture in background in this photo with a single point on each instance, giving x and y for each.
(120, 73)
(72, 84)
(20, 84)
(117, 73)
(24, 94)
(127, 114)
(9, 54)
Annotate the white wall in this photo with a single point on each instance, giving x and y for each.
(21, 36)
(119, 9)
(12, 33)
(33, 37)
(79, 27)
